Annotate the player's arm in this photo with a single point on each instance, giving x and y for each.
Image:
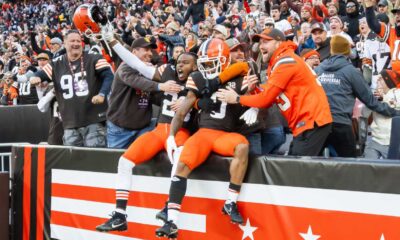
(179, 116)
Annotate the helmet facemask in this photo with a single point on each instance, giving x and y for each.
(210, 68)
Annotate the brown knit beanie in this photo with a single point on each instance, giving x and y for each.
(340, 45)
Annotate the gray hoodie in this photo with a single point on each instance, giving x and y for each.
(343, 83)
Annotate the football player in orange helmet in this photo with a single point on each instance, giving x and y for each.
(216, 133)
(214, 57)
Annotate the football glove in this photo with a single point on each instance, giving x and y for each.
(250, 116)
(206, 104)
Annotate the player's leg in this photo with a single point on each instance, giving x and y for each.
(195, 151)
(236, 145)
(138, 152)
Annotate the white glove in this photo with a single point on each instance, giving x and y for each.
(107, 32)
(171, 147)
(250, 116)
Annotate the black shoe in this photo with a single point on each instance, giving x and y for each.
(117, 222)
(169, 230)
(163, 214)
(232, 210)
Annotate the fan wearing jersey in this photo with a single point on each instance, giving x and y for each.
(81, 82)
(293, 85)
(374, 52)
(390, 34)
(141, 151)
(215, 134)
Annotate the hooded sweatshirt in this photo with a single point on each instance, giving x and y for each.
(343, 83)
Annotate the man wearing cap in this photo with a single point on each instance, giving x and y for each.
(267, 134)
(343, 83)
(130, 110)
(294, 87)
(321, 40)
(390, 34)
(42, 60)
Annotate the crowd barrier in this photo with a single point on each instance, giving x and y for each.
(23, 123)
(63, 193)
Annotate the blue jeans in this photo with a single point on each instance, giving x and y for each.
(118, 137)
(267, 141)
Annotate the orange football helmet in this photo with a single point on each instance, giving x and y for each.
(87, 18)
(214, 57)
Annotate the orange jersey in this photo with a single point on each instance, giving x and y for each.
(301, 98)
(389, 35)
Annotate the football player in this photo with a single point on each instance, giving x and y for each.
(141, 151)
(215, 134)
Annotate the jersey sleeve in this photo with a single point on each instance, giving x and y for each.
(46, 74)
(385, 31)
(194, 83)
(100, 63)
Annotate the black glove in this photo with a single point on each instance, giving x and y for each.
(206, 104)
(209, 87)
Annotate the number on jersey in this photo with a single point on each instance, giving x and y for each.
(168, 101)
(74, 85)
(220, 114)
(25, 89)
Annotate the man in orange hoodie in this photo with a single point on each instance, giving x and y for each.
(293, 85)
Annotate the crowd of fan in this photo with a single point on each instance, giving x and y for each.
(32, 32)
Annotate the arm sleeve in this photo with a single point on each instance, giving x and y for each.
(134, 62)
(373, 23)
(135, 80)
(139, 29)
(363, 92)
(107, 76)
(262, 100)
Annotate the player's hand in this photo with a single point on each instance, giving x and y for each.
(170, 86)
(107, 32)
(227, 95)
(171, 147)
(206, 104)
(250, 116)
(98, 99)
(35, 80)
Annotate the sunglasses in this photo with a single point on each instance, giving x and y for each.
(350, 6)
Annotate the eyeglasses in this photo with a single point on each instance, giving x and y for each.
(350, 6)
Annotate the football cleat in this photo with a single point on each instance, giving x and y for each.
(117, 222)
(232, 210)
(163, 214)
(169, 230)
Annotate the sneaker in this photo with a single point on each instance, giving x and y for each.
(163, 214)
(117, 222)
(169, 230)
(232, 210)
